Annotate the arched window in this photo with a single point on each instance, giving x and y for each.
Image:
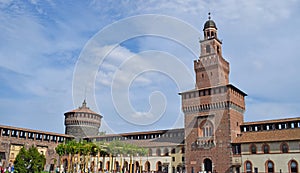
(150, 152)
(248, 167)
(253, 149)
(266, 148)
(284, 148)
(270, 167)
(293, 166)
(173, 151)
(205, 129)
(166, 151)
(158, 152)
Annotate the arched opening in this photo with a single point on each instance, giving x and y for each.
(253, 149)
(166, 151)
(248, 167)
(147, 166)
(136, 167)
(158, 166)
(65, 164)
(293, 166)
(125, 166)
(207, 165)
(100, 165)
(266, 148)
(150, 152)
(270, 167)
(284, 148)
(107, 167)
(173, 151)
(205, 128)
(158, 152)
(117, 166)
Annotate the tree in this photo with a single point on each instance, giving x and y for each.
(22, 160)
(29, 161)
(60, 150)
(72, 148)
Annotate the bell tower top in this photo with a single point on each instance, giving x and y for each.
(211, 68)
(210, 28)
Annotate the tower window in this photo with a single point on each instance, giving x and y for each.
(208, 49)
(206, 129)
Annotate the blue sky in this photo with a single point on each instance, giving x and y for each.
(42, 44)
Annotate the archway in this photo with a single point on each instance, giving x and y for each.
(136, 167)
(207, 165)
(158, 166)
(100, 165)
(65, 164)
(107, 165)
(293, 166)
(147, 166)
(125, 166)
(117, 166)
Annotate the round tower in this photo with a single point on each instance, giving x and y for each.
(82, 122)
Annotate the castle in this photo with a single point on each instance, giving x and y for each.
(214, 138)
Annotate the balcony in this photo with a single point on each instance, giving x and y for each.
(236, 160)
(203, 143)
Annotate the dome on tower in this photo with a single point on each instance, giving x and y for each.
(210, 24)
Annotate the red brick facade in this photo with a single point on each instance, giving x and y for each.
(213, 110)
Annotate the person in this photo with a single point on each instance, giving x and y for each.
(12, 169)
(57, 169)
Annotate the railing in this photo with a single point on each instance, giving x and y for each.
(204, 143)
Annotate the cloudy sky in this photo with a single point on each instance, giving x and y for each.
(130, 59)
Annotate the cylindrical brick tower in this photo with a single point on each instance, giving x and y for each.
(82, 122)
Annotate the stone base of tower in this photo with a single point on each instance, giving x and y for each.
(208, 153)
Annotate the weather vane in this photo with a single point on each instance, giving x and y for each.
(209, 16)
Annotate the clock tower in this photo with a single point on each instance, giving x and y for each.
(213, 110)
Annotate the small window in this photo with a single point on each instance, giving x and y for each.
(253, 149)
(173, 159)
(173, 151)
(292, 125)
(208, 49)
(158, 152)
(266, 149)
(218, 49)
(284, 148)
